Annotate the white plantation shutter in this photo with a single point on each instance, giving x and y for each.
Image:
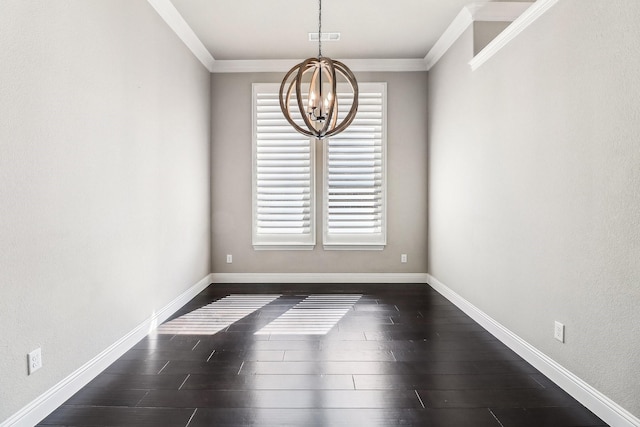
(283, 177)
(354, 176)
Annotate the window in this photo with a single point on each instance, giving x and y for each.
(283, 177)
(354, 202)
(353, 185)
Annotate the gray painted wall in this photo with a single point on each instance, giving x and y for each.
(534, 208)
(231, 184)
(104, 181)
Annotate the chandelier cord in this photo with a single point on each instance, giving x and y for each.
(319, 28)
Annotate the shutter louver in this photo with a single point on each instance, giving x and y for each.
(283, 177)
(354, 177)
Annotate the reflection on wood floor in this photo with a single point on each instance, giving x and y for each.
(321, 355)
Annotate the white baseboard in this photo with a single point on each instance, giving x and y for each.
(50, 400)
(319, 278)
(609, 411)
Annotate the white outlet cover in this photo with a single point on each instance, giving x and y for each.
(558, 331)
(34, 360)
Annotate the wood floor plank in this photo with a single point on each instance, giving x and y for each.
(499, 398)
(459, 356)
(269, 382)
(444, 382)
(340, 367)
(107, 397)
(197, 367)
(247, 355)
(281, 399)
(339, 356)
(343, 417)
(134, 381)
(547, 416)
(143, 367)
(96, 416)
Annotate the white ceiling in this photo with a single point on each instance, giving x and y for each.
(278, 29)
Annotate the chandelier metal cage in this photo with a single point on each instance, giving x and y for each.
(320, 108)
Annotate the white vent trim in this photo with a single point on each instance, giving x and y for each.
(325, 37)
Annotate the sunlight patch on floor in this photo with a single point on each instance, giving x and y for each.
(218, 315)
(315, 315)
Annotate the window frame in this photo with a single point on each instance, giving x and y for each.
(307, 241)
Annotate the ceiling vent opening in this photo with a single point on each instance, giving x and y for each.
(325, 37)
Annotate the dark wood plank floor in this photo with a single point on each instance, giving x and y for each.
(402, 355)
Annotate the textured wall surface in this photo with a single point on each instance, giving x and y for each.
(104, 181)
(534, 208)
(406, 185)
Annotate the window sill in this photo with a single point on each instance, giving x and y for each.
(283, 247)
(353, 247)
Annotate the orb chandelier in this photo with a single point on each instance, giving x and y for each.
(320, 108)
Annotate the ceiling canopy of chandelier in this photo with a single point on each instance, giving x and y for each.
(314, 83)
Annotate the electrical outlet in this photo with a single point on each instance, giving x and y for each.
(229, 259)
(558, 331)
(403, 258)
(34, 360)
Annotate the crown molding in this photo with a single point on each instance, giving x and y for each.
(523, 21)
(176, 22)
(486, 12)
(284, 65)
(449, 37)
